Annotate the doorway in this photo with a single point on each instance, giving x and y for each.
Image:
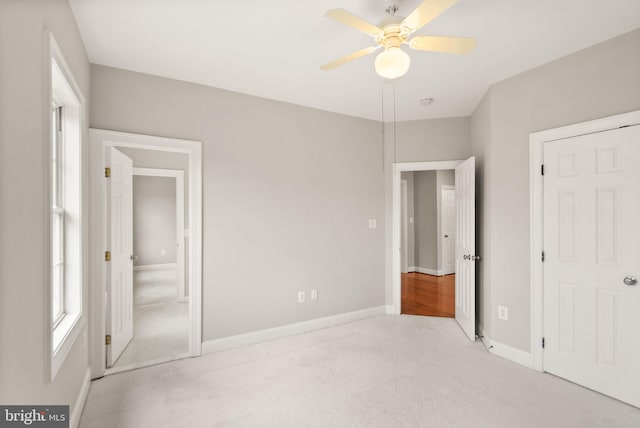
(160, 280)
(428, 241)
(159, 304)
(465, 257)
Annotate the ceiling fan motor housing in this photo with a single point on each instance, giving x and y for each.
(392, 36)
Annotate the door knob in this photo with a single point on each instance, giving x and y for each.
(630, 280)
(446, 236)
(466, 257)
(474, 257)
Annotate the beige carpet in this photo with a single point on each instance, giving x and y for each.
(387, 371)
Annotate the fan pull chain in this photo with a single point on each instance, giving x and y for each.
(395, 134)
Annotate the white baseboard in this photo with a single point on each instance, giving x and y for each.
(507, 352)
(259, 336)
(389, 310)
(78, 406)
(433, 272)
(155, 267)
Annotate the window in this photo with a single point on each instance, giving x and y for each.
(65, 176)
(57, 218)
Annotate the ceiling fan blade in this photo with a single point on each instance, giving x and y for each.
(333, 64)
(426, 12)
(353, 21)
(457, 45)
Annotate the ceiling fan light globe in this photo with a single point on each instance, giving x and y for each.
(392, 63)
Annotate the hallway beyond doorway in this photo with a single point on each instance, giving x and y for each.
(428, 295)
(160, 320)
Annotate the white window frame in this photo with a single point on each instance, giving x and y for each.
(57, 216)
(67, 166)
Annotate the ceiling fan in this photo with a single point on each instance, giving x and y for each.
(395, 31)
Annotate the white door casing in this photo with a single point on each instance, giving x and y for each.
(465, 247)
(591, 243)
(405, 227)
(120, 282)
(101, 142)
(448, 229)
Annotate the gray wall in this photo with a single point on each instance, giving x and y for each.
(435, 139)
(596, 82)
(481, 149)
(24, 218)
(426, 212)
(288, 192)
(154, 220)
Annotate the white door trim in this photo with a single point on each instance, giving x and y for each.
(405, 226)
(100, 140)
(536, 185)
(398, 169)
(179, 176)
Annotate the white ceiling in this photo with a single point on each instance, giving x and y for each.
(274, 48)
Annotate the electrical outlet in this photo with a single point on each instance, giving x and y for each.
(163, 252)
(411, 220)
(503, 313)
(372, 223)
(314, 294)
(301, 296)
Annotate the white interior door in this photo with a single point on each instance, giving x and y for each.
(120, 285)
(448, 215)
(592, 254)
(466, 246)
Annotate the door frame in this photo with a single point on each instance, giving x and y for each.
(441, 215)
(180, 229)
(536, 187)
(100, 140)
(398, 169)
(405, 225)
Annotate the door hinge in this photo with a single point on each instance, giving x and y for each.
(543, 256)
(107, 340)
(107, 172)
(541, 169)
(107, 256)
(543, 343)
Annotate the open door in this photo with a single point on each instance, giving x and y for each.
(466, 247)
(120, 233)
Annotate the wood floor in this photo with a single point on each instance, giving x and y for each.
(428, 295)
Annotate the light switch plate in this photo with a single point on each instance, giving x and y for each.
(314, 294)
(301, 296)
(372, 223)
(503, 313)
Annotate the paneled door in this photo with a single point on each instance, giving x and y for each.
(120, 283)
(466, 247)
(592, 261)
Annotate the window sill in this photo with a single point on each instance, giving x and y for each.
(63, 338)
